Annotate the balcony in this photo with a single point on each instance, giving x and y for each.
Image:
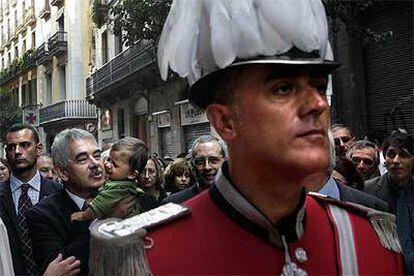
(29, 18)
(58, 44)
(28, 60)
(123, 66)
(42, 54)
(45, 12)
(21, 28)
(67, 110)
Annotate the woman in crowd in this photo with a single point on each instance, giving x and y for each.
(4, 170)
(178, 176)
(152, 179)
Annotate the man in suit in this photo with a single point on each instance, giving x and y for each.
(323, 182)
(77, 160)
(24, 188)
(207, 156)
(396, 187)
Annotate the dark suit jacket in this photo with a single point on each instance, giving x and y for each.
(52, 232)
(352, 195)
(380, 187)
(9, 217)
(182, 196)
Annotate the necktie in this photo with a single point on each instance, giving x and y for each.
(24, 205)
(404, 232)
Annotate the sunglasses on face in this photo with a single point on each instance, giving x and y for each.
(201, 161)
(366, 161)
(344, 140)
(392, 153)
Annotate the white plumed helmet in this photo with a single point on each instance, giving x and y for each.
(202, 38)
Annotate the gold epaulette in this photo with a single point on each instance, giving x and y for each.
(383, 223)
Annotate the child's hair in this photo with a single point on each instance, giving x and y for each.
(137, 152)
(179, 167)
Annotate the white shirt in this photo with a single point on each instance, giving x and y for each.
(77, 199)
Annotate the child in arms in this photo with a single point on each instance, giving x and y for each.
(126, 161)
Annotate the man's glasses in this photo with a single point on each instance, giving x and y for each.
(201, 161)
(344, 140)
(366, 161)
(22, 145)
(392, 153)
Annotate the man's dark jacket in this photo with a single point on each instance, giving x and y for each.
(52, 231)
(184, 195)
(352, 195)
(9, 217)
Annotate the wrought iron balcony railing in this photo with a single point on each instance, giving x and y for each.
(42, 54)
(126, 63)
(58, 43)
(67, 110)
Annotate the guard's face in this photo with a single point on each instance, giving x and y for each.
(22, 150)
(278, 121)
(364, 160)
(84, 172)
(399, 162)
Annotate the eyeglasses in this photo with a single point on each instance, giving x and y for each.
(366, 161)
(23, 145)
(344, 140)
(201, 161)
(392, 153)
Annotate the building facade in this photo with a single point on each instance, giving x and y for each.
(133, 101)
(45, 57)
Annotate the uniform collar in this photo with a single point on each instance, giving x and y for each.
(15, 183)
(240, 209)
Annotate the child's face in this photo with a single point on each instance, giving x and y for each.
(117, 166)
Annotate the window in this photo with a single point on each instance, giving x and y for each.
(121, 126)
(62, 82)
(48, 88)
(104, 47)
(118, 44)
(33, 45)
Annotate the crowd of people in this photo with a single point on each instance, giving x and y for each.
(281, 191)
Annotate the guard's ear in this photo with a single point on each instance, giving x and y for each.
(61, 173)
(222, 117)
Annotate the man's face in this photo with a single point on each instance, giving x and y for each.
(399, 162)
(364, 160)
(84, 172)
(22, 151)
(280, 120)
(45, 166)
(207, 162)
(343, 141)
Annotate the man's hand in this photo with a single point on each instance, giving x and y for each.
(68, 267)
(124, 207)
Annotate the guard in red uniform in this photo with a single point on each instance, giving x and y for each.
(260, 70)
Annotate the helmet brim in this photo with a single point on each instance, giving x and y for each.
(201, 96)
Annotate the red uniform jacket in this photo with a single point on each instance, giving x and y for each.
(216, 239)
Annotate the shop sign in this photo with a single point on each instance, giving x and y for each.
(164, 119)
(191, 115)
